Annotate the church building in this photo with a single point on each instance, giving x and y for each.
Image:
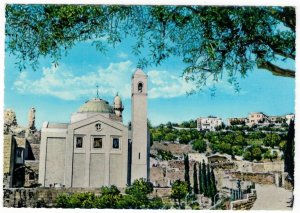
(96, 148)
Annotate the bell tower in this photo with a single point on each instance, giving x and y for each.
(140, 139)
(118, 106)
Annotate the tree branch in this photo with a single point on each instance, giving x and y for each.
(278, 51)
(281, 53)
(275, 70)
(287, 16)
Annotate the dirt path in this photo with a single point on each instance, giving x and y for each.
(270, 197)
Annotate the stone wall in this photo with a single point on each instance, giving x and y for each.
(7, 180)
(34, 138)
(31, 173)
(245, 204)
(158, 176)
(38, 197)
(163, 175)
(8, 155)
(223, 165)
(8, 160)
(161, 192)
(177, 149)
(261, 178)
(245, 166)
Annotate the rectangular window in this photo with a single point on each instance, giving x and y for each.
(139, 155)
(79, 141)
(116, 143)
(97, 143)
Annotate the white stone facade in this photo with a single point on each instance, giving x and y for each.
(261, 119)
(209, 124)
(256, 118)
(96, 148)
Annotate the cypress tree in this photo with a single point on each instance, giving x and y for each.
(200, 179)
(208, 181)
(204, 178)
(187, 171)
(289, 153)
(213, 184)
(196, 188)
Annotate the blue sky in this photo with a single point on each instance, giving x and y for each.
(56, 92)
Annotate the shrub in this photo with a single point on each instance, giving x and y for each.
(199, 145)
(62, 201)
(179, 190)
(247, 156)
(156, 203)
(256, 153)
(127, 202)
(165, 155)
(136, 198)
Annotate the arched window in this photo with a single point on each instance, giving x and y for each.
(140, 87)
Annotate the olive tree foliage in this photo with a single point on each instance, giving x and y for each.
(213, 42)
(179, 190)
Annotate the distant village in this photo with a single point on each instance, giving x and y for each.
(257, 119)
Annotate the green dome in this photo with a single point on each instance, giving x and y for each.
(96, 105)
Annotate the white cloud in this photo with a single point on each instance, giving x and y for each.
(62, 83)
(164, 84)
(122, 55)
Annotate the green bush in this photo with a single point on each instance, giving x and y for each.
(139, 190)
(179, 190)
(62, 201)
(156, 203)
(195, 206)
(127, 202)
(136, 197)
(257, 153)
(199, 145)
(76, 200)
(112, 190)
(184, 139)
(165, 155)
(247, 156)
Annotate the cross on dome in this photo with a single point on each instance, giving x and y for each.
(97, 91)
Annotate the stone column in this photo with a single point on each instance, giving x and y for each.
(31, 120)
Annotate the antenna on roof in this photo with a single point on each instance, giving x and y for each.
(97, 91)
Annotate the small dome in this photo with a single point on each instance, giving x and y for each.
(117, 102)
(96, 105)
